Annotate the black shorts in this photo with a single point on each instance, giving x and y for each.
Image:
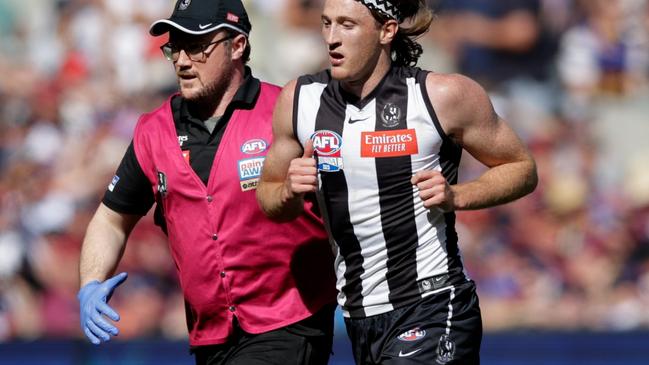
(307, 342)
(443, 328)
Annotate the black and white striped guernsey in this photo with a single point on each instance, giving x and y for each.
(388, 245)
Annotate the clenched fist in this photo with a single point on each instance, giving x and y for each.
(434, 190)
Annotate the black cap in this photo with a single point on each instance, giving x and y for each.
(204, 16)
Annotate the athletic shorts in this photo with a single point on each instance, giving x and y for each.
(307, 342)
(443, 328)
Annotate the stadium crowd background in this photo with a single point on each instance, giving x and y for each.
(76, 74)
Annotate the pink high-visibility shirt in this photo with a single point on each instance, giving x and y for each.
(231, 259)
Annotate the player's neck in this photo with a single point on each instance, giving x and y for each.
(365, 85)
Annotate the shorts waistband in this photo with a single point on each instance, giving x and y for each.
(440, 281)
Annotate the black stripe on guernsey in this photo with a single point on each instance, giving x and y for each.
(449, 159)
(395, 199)
(331, 116)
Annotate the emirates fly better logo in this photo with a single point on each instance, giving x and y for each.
(327, 145)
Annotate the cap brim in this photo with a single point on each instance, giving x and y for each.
(162, 26)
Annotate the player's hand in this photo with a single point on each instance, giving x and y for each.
(302, 175)
(93, 302)
(434, 190)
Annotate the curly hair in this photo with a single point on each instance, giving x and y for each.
(405, 49)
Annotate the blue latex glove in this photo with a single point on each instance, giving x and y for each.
(93, 302)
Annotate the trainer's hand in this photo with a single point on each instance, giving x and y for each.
(93, 302)
(434, 190)
(302, 175)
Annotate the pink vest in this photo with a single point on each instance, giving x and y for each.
(231, 259)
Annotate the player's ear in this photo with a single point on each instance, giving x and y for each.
(239, 43)
(389, 31)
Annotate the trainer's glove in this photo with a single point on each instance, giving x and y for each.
(93, 302)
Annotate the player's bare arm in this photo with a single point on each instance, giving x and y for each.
(289, 171)
(104, 243)
(467, 116)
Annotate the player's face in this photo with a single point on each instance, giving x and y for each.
(352, 36)
(203, 77)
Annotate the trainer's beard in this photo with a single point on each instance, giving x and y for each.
(213, 92)
(210, 96)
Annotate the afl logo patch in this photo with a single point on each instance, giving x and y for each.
(327, 145)
(390, 115)
(254, 146)
(414, 334)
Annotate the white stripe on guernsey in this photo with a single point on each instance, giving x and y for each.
(309, 104)
(341, 267)
(362, 185)
(431, 226)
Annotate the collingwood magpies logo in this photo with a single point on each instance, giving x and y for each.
(445, 349)
(390, 115)
(162, 183)
(184, 4)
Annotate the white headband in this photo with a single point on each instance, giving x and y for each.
(384, 7)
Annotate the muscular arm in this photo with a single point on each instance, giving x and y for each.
(104, 243)
(467, 116)
(286, 177)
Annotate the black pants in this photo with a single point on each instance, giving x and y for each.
(307, 342)
(443, 328)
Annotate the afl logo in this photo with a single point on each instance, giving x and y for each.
(414, 334)
(254, 146)
(326, 143)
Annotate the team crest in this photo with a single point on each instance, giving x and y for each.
(445, 349)
(327, 145)
(390, 115)
(184, 4)
(414, 334)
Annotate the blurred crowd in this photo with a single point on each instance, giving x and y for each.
(571, 77)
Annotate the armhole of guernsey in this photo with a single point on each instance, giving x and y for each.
(296, 103)
(421, 79)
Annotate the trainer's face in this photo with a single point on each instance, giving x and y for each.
(208, 74)
(353, 38)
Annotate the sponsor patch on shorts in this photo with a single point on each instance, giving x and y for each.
(401, 142)
(414, 334)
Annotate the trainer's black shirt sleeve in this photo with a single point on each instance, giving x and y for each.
(130, 192)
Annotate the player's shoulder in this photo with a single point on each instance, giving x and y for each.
(322, 77)
(451, 90)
